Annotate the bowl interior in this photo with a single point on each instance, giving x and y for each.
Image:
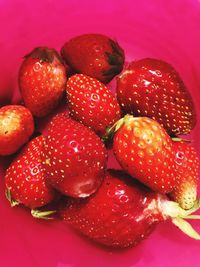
(167, 30)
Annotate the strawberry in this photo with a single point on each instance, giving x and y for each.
(122, 212)
(144, 149)
(95, 55)
(152, 88)
(16, 127)
(91, 103)
(42, 79)
(25, 180)
(74, 157)
(187, 171)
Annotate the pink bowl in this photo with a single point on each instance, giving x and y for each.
(168, 30)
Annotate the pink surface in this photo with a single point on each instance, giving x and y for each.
(162, 29)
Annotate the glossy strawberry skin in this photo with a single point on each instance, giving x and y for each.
(187, 171)
(152, 88)
(25, 178)
(120, 214)
(42, 79)
(143, 149)
(74, 157)
(91, 103)
(95, 55)
(16, 127)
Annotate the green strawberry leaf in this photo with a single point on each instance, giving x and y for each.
(186, 228)
(115, 59)
(12, 201)
(44, 54)
(112, 71)
(172, 210)
(110, 131)
(116, 48)
(45, 215)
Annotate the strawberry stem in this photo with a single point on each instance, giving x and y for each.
(42, 214)
(113, 129)
(171, 209)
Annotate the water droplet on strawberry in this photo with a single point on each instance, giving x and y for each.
(37, 66)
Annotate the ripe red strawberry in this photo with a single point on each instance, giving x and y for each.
(153, 88)
(25, 180)
(16, 127)
(91, 103)
(74, 157)
(95, 55)
(122, 212)
(42, 79)
(145, 151)
(187, 171)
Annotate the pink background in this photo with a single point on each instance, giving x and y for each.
(162, 29)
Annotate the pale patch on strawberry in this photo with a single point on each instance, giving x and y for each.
(187, 172)
(190, 195)
(16, 127)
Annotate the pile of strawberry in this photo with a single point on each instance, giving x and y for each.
(67, 164)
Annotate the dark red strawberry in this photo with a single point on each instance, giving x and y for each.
(25, 180)
(144, 149)
(187, 172)
(16, 127)
(42, 79)
(152, 88)
(123, 212)
(95, 55)
(92, 103)
(74, 157)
